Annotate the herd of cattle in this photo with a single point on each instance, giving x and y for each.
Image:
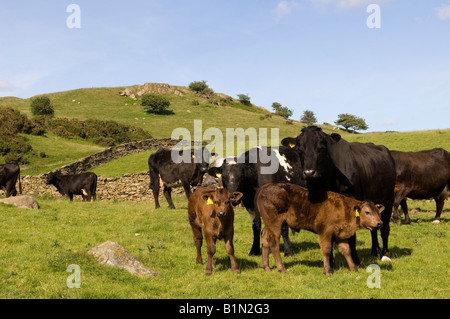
(322, 183)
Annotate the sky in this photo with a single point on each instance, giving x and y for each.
(388, 64)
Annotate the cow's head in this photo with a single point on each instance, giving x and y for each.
(202, 157)
(369, 215)
(234, 175)
(222, 201)
(52, 178)
(319, 153)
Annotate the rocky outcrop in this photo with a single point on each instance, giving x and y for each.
(153, 88)
(23, 201)
(112, 254)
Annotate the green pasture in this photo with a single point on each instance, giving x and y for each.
(37, 246)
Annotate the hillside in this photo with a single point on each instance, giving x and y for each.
(122, 104)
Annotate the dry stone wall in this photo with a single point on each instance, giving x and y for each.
(133, 187)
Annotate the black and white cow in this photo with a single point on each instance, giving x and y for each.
(254, 168)
(84, 184)
(168, 168)
(9, 174)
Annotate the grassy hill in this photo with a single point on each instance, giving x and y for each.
(109, 104)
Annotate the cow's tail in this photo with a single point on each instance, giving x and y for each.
(94, 191)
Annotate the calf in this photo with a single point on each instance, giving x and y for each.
(84, 184)
(210, 211)
(9, 174)
(334, 217)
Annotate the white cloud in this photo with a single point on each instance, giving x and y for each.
(349, 3)
(443, 13)
(284, 8)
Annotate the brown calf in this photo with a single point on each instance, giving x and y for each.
(210, 210)
(333, 216)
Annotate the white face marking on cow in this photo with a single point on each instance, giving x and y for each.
(283, 163)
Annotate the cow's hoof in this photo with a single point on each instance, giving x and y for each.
(436, 221)
(386, 258)
(289, 253)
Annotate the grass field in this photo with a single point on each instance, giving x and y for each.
(36, 247)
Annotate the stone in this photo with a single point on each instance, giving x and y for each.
(112, 254)
(24, 201)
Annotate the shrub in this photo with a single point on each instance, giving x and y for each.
(42, 106)
(16, 158)
(198, 86)
(244, 99)
(157, 104)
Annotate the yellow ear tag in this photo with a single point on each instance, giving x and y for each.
(209, 201)
(193, 156)
(356, 212)
(218, 175)
(291, 145)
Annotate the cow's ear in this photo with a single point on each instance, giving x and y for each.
(336, 137)
(214, 171)
(235, 197)
(208, 198)
(380, 208)
(288, 142)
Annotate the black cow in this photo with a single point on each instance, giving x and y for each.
(170, 167)
(9, 173)
(251, 170)
(84, 184)
(363, 171)
(421, 175)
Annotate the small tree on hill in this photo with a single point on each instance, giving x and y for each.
(282, 111)
(198, 86)
(42, 106)
(244, 99)
(308, 117)
(157, 104)
(351, 121)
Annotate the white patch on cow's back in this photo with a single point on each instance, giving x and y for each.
(284, 163)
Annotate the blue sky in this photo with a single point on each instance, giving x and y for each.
(318, 55)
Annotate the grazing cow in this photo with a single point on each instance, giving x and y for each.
(9, 174)
(84, 184)
(421, 175)
(334, 217)
(363, 171)
(216, 180)
(210, 211)
(251, 170)
(170, 167)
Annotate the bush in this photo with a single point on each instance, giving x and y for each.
(157, 104)
(42, 106)
(198, 86)
(244, 99)
(16, 158)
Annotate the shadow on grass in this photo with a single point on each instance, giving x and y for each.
(223, 263)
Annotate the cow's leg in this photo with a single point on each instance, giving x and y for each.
(288, 250)
(168, 195)
(399, 196)
(256, 226)
(274, 242)
(352, 244)
(376, 250)
(385, 230)
(265, 249)
(187, 188)
(210, 250)
(344, 249)
(198, 240)
(326, 248)
(70, 196)
(404, 207)
(440, 199)
(155, 185)
(230, 251)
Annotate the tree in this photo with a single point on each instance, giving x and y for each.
(282, 111)
(157, 104)
(308, 117)
(42, 106)
(198, 86)
(351, 121)
(244, 99)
